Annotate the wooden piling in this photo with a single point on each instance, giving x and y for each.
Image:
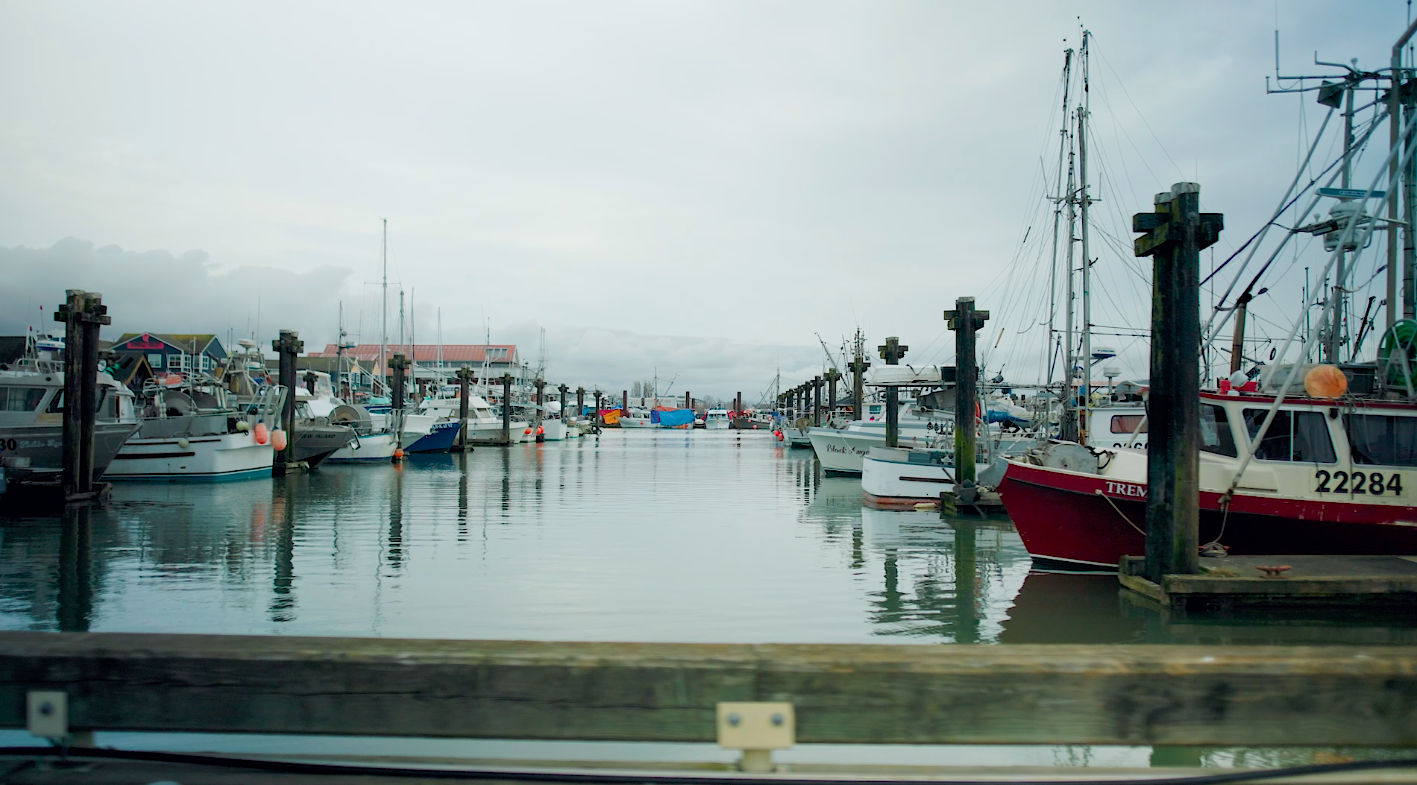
(858, 386)
(82, 313)
(540, 385)
(688, 401)
(891, 351)
(832, 375)
(598, 419)
(1175, 234)
(563, 389)
(624, 402)
(817, 401)
(397, 365)
(966, 321)
(288, 346)
(507, 408)
(464, 385)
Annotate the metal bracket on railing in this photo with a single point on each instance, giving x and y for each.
(757, 729)
(48, 715)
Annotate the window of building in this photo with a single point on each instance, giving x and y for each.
(1293, 436)
(1382, 439)
(20, 399)
(1216, 436)
(1127, 423)
(155, 361)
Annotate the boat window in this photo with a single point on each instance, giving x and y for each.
(1382, 439)
(20, 399)
(1293, 436)
(1215, 431)
(1127, 423)
(56, 404)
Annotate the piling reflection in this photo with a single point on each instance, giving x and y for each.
(75, 595)
(287, 492)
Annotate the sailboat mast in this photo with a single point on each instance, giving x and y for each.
(1057, 214)
(1083, 201)
(1068, 428)
(384, 308)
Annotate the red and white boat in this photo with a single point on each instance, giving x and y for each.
(1330, 476)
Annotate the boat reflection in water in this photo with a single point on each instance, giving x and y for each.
(650, 535)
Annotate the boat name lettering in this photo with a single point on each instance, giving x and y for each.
(1358, 483)
(1126, 489)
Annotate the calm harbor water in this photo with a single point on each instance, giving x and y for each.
(635, 536)
(704, 536)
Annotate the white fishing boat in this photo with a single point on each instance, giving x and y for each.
(193, 434)
(635, 418)
(716, 420)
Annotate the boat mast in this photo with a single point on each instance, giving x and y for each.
(1332, 339)
(1083, 201)
(1068, 428)
(1057, 217)
(384, 309)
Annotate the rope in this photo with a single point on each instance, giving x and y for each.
(1119, 512)
(1214, 547)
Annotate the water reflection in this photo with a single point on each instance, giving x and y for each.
(674, 536)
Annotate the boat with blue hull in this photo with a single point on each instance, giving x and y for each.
(440, 439)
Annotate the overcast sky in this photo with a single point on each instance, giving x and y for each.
(696, 188)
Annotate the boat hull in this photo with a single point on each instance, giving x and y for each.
(39, 449)
(212, 458)
(716, 425)
(316, 443)
(1087, 520)
(374, 448)
(439, 439)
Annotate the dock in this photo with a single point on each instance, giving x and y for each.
(1228, 582)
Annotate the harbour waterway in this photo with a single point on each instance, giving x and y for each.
(654, 535)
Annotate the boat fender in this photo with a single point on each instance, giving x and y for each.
(243, 426)
(526, 431)
(278, 440)
(261, 433)
(183, 444)
(540, 430)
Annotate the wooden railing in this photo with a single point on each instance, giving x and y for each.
(1166, 695)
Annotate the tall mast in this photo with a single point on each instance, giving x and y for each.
(1333, 338)
(1083, 201)
(1068, 428)
(1057, 214)
(384, 308)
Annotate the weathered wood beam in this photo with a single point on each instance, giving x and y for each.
(1177, 695)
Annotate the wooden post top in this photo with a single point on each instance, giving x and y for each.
(289, 343)
(1176, 211)
(398, 362)
(464, 374)
(892, 350)
(83, 307)
(964, 309)
(832, 375)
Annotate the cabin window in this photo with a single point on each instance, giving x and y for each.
(1382, 439)
(1293, 436)
(1215, 431)
(20, 399)
(56, 404)
(1127, 423)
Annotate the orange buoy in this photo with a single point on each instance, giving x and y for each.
(398, 453)
(540, 430)
(262, 434)
(278, 440)
(1325, 381)
(526, 430)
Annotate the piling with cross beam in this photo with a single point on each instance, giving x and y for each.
(1174, 235)
(82, 313)
(832, 375)
(397, 365)
(580, 402)
(817, 401)
(599, 419)
(540, 385)
(891, 351)
(858, 383)
(507, 408)
(288, 347)
(464, 383)
(563, 389)
(965, 321)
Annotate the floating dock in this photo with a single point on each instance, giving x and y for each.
(1309, 581)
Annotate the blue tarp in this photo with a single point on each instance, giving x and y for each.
(676, 417)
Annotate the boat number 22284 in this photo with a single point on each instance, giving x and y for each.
(1371, 483)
